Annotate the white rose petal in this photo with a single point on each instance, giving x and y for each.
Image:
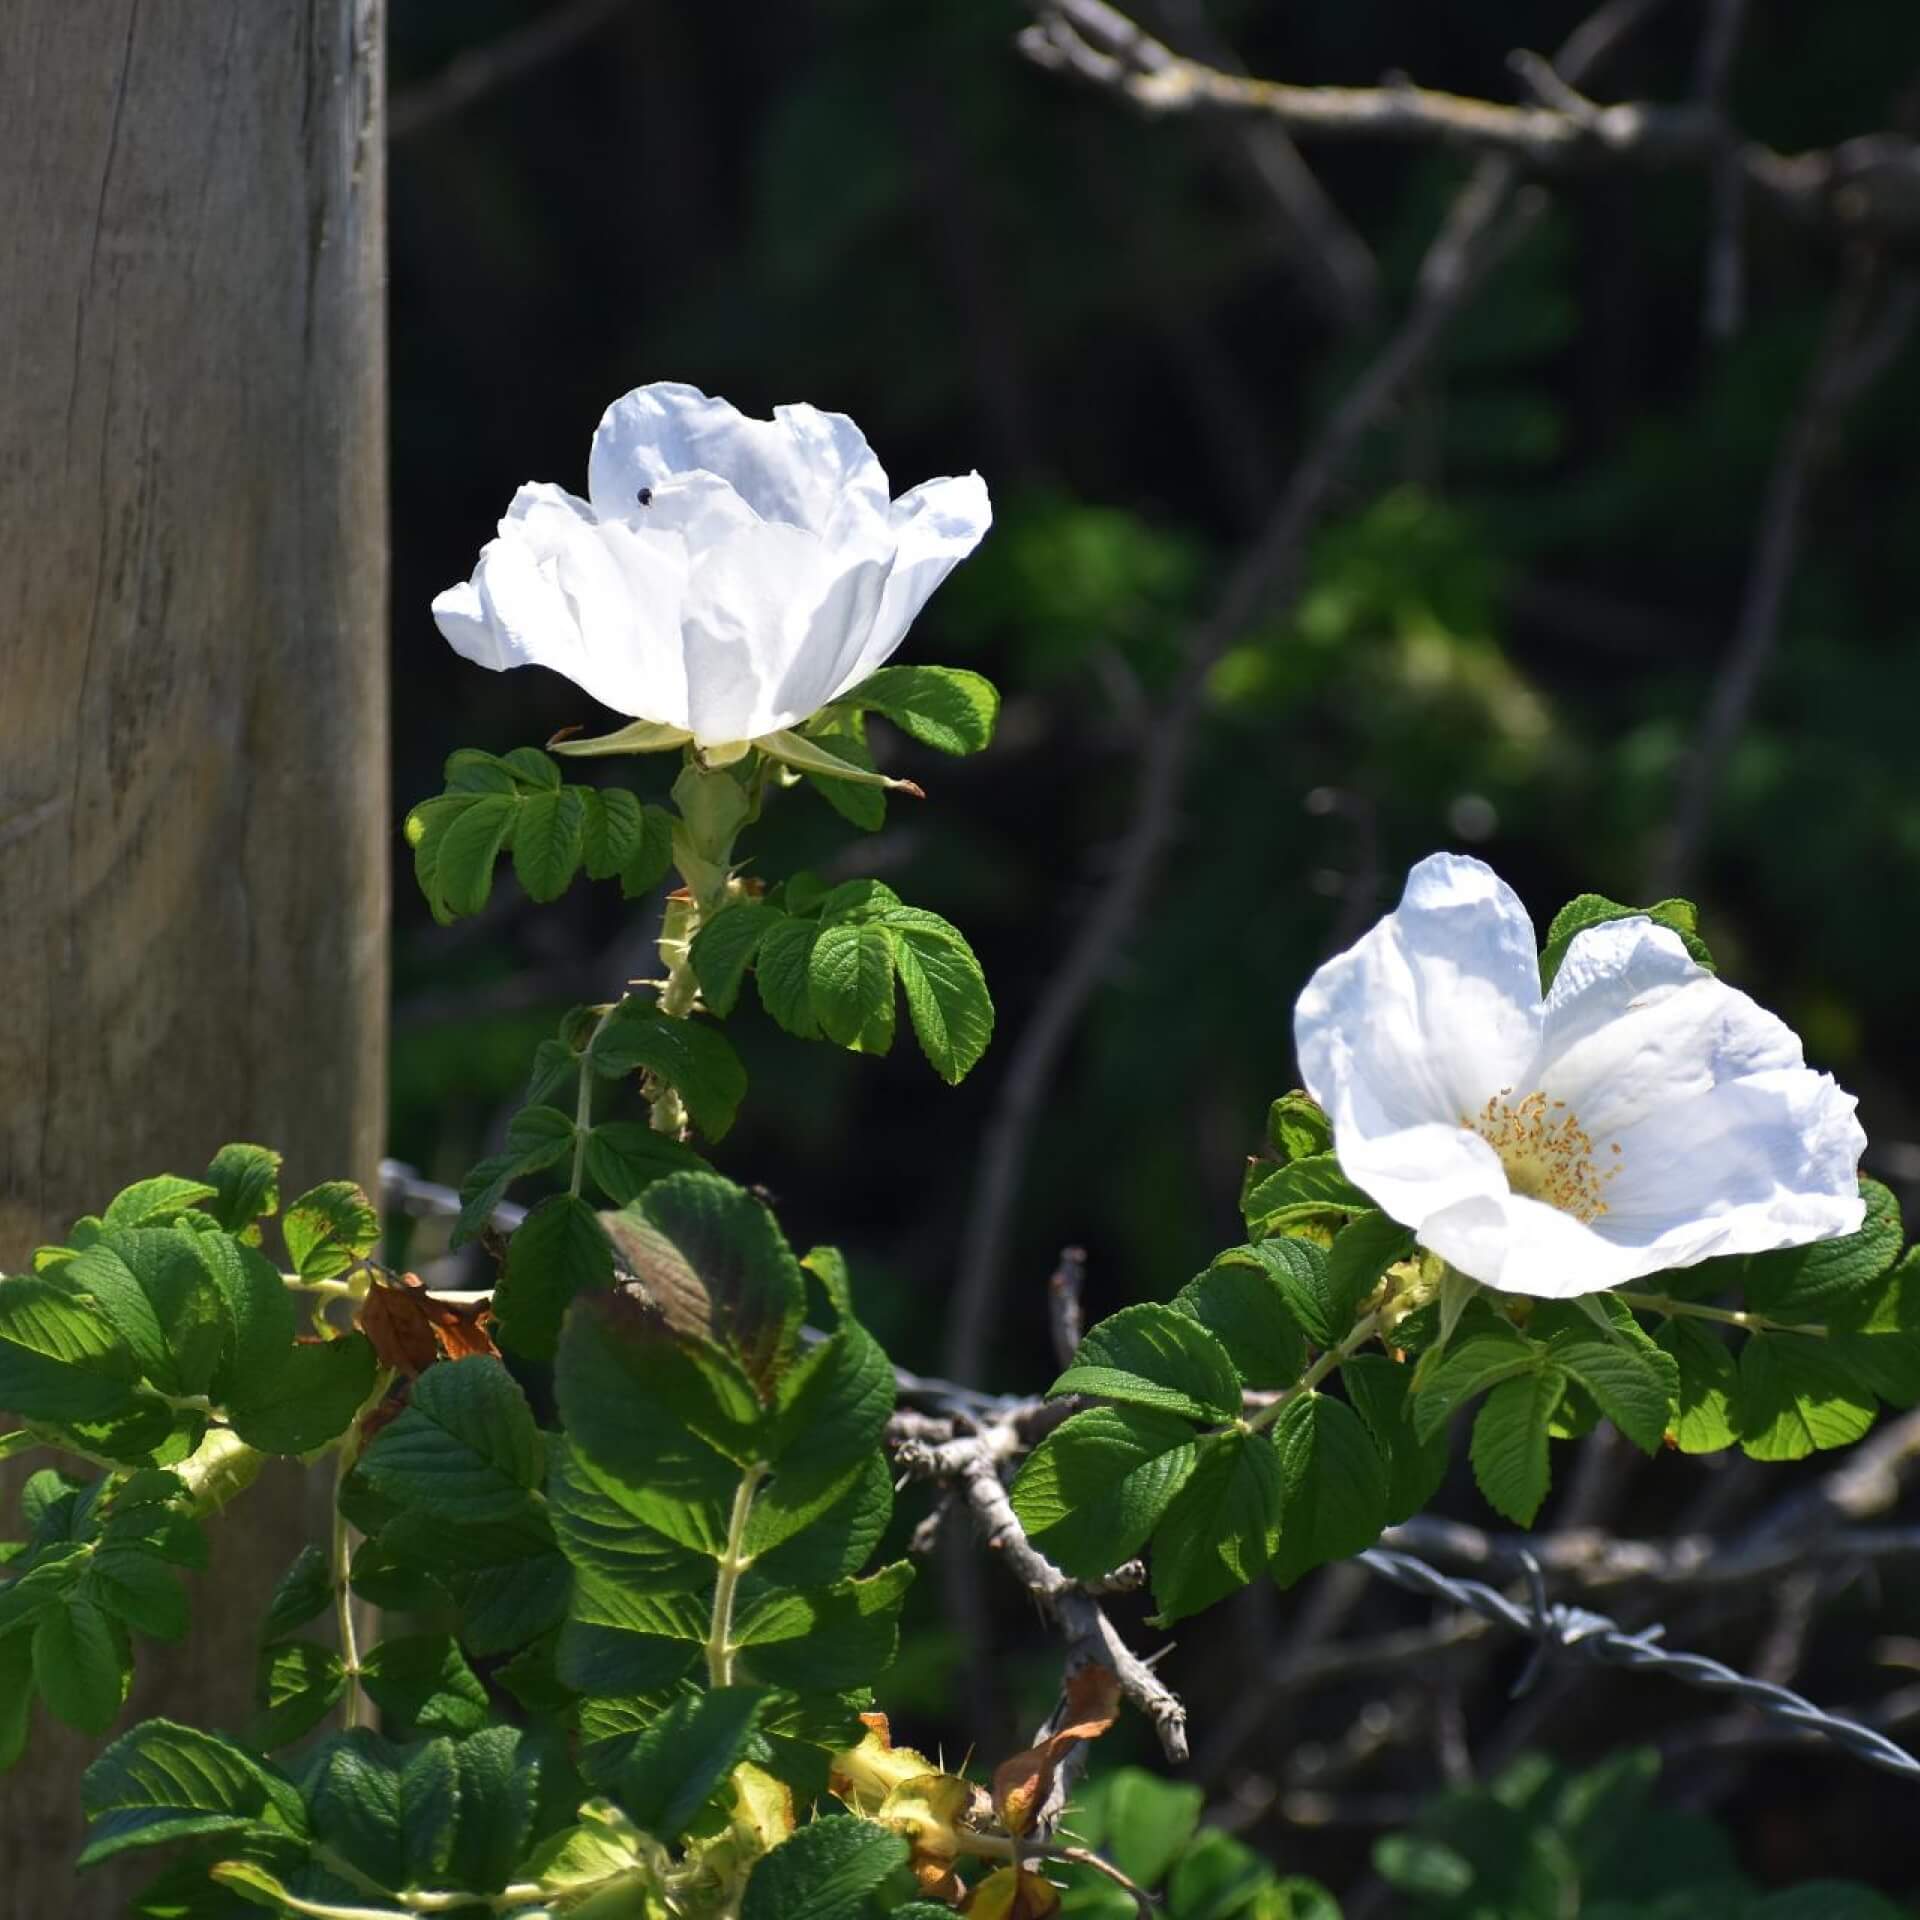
(725, 577)
(1643, 1115)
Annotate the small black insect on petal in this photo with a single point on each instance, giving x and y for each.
(645, 496)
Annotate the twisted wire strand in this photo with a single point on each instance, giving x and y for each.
(1594, 1636)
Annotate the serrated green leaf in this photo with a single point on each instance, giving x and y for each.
(695, 1059)
(1708, 1386)
(557, 1253)
(16, 1696)
(1334, 1481)
(423, 1686)
(1274, 1199)
(82, 1664)
(1830, 1282)
(309, 1398)
(304, 1592)
(1298, 1127)
(162, 1782)
(947, 998)
(946, 708)
(1221, 1529)
(329, 1229)
(652, 860)
(549, 840)
(532, 769)
(464, 1447)
(60, 1358)
(843, 732)
(1633, 1384)
(1361, 1253)
(482, 1191)
(138, 1589)
(540, 1137)
(612, 828)
(1509, 1449)
(850, 978)
(827, 1638)
(1154, 1356)
(156, 1202)
(246, 1184)
(713, 1261)
(625, 1157)
(470, 770)
(1594, 909)
(26, 1597)
(1240, 1300)
(781, 974)
(1379, 1390)
(466, 844)
(825, 1871)
(1470, 1364)
(296, 1684)
(1797, 1397)
(812, 1529)
(1149, 1822)
(158, 1291)
(679, 1762)
(724, 947)
(1092, 1492)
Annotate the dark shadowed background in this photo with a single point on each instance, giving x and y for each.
(1506, 634)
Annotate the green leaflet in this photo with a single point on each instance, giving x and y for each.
(164, 1782)
(297, 1683)
(823, 1872)
(1092, 1492)
(1155, 1356)
(423, 1686)
(1245, 1304)
(1633, 1382)
(1796, 1396)
(691, 1056)
(1832, 1282)
(1334, 1485)
(1509, 1450)
(330, 1229)
(946, 708)
(1708, 1384)
(1302, 1194)
(1222, 1527)
(465, 1445)
(679, 1761)
(1379, 1390)
(558, 1251)
(1470, 1364)
(1594, 909)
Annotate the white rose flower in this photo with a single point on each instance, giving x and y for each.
(1644, 1115)
(724, 579)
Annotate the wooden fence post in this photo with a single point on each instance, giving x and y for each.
(194, 820)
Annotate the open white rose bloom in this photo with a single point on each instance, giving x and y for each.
(725, 578)
(1642, 1115)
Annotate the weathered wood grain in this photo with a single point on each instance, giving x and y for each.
(194, 824)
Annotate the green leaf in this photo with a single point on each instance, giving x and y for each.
(309, 1398)
(781, 972)
(16, 1696)
(532, 769)
(140, 1590)
(1708, 1386)
(612, 830)
(81, 1664)
(695, 1059)
(559, 1251)
(625, 1157)
(549, 841)
(162, 1782)
(850, 978)
(27, 1597)
(713, 1260)
(1379, 1390)
(1510, 1442)
(1594, 909)
(246, 1184)
(1797, 1397)
(1470, 1365)
(541, 1137)
(60, 1359)
(824, 1871)
(1150, 1822)
(482, 1191)
(422, 1685)
(1298, 1127)
(1092, 1492)
(1277, 1200)
(843, 732)
(946, 991)
(159, 1292)
(1361, 1253)
(469, 770)
(1222, 1528)
(1335, 1485)
(650, 861)
(330, 1229)
(681, 1760)
(946, 708)
(1830, 1282)
(1155, 1356)
(465, 843)
(1885, 1351)
(157, 1202)
(465, 1446)
(725, 946)
(1634, 1383)
(297, 1683)
(813, 1528)
(1241, 1301)
(834, 1637)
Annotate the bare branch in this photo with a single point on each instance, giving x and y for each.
(1064, 1312)
(482, 70)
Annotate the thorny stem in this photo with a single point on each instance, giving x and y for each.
(1726, 1316)
(340, 1566)
(583, 1101)
(733, 1563)
(429, 1901)
(1362, 1331)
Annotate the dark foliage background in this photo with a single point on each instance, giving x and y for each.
(1505, 641)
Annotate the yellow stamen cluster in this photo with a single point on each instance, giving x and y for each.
(1548, 1155)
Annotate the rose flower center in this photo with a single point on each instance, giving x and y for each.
(1547, 1154)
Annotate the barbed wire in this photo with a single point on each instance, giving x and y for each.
(1594, 1636)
